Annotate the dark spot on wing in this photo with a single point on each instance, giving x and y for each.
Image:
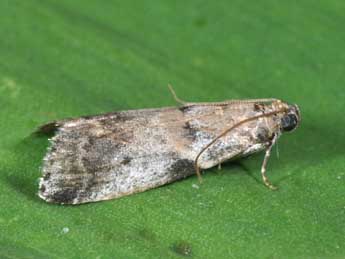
(181, 168)
(42, 188)
(98, 152)
(259, 107)
(46, 176)
(190, 130)
(126, 160)
(64, 196)
(185, 109)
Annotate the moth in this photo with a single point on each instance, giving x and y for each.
(101, 157)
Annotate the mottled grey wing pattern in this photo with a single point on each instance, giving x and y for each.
(107, 156)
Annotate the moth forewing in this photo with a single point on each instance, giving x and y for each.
(107, 156)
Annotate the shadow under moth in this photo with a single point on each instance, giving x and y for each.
(101, 157)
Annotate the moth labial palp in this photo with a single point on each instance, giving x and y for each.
(106, 156)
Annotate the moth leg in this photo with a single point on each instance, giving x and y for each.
(175, 96)
(197, 170)
(264, 164)
(219, 166)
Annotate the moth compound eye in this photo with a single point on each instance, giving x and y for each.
(289, 122)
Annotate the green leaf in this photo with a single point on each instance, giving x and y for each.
(69, 58)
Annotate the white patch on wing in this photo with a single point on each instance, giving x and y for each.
(253, 149)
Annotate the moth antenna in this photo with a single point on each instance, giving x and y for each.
(175, 96)
(197, 169)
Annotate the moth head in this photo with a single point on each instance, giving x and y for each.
(291, 119)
